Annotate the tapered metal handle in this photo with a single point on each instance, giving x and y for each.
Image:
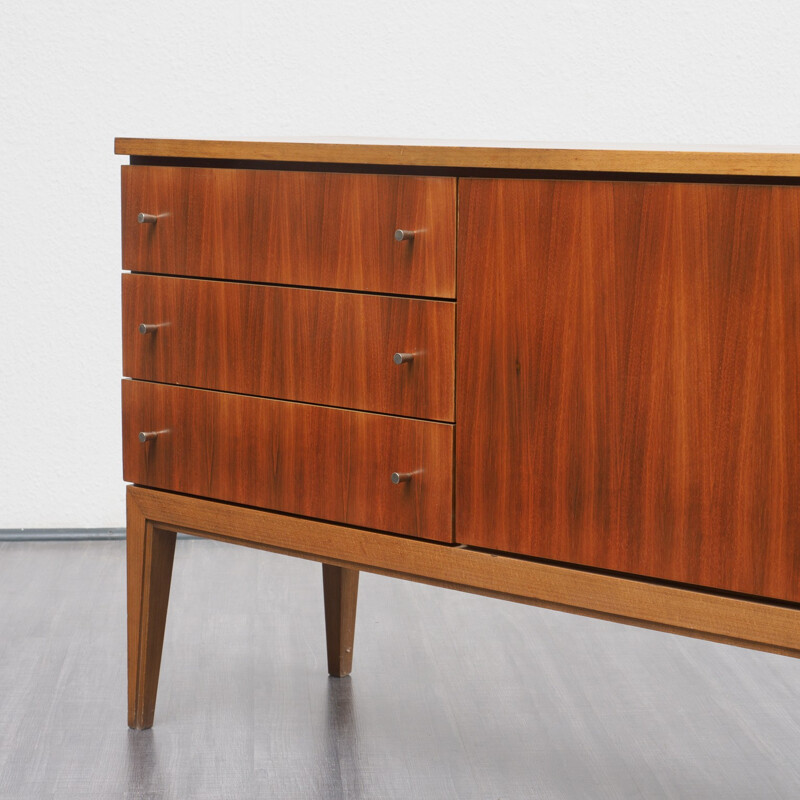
(403, 358)
(401, 477)
(400, 234)
(147, 218)
(148, 436)
(145, 328)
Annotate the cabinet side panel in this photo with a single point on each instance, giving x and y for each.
(627, 378)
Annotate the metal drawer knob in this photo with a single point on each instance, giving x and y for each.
(403, 358)
(400, 234)
(149, 218)
(401, 477)
(145, 328)
(149, 436)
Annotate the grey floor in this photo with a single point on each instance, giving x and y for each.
(453, 696)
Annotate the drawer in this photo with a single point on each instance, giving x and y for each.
(332, 230)
(314, 461)
(330, 348)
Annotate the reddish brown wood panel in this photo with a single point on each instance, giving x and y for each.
(331, 230)
(628, 378)
(331, 348)
(302, 459)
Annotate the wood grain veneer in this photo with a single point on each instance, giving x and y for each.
(781, 162)
(629, 378)
(302, 228)
(330, 348)
(303, 459)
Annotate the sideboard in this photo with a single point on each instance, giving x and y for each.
(559, 376)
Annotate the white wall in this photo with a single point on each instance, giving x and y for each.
(74, 75)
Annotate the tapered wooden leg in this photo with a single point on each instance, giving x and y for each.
(150, 556)
(340, 587)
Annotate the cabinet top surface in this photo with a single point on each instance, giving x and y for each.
(783, 162)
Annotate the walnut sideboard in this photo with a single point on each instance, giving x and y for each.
(564, 377)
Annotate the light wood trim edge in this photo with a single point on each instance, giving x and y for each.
(459, 156)
(745, 623)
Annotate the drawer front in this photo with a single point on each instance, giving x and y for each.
(331, 230)
(330, 348)
(321, 462)
(631, 371)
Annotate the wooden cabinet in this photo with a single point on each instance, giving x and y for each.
(568, 378)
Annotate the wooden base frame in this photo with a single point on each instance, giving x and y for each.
(155, 516)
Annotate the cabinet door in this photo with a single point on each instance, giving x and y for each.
(628, 378)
